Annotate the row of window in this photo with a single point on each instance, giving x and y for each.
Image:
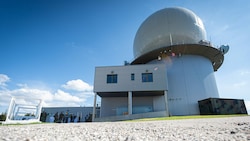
(146, 77)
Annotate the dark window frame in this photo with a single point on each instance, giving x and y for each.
(112, 78)
(147, 77)
(132, 77)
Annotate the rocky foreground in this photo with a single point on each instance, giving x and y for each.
(232, 128)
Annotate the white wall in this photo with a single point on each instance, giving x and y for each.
(159, 103)
(190, 79)
(124, 78)
(110, 104)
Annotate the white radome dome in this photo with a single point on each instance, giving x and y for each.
(169, 26)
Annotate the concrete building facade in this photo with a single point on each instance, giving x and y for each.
(173, 69)
(132, 89)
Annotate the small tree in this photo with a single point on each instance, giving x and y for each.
(3, 116)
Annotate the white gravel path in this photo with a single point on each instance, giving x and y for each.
(233, 128)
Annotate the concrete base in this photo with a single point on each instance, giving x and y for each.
(133, 116)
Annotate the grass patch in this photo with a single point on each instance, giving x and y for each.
(16, 124)
(187, 117)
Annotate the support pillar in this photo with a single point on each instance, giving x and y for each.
(130, 103)
(166, 102)
(94, 108)
(39, 109)
(10, 109)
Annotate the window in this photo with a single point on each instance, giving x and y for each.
(112, 78)
(132, 76)
(147, 77)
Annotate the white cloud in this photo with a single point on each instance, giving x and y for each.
(3, 79)
(24, 93)
(78, 85)
(59, 98)
(64, 96)
(32, 93)
(5, 98)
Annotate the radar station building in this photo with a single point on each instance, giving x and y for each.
(173, 69)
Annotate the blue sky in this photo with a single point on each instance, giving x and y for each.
(49, 48)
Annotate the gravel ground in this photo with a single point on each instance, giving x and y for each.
(233, 128)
